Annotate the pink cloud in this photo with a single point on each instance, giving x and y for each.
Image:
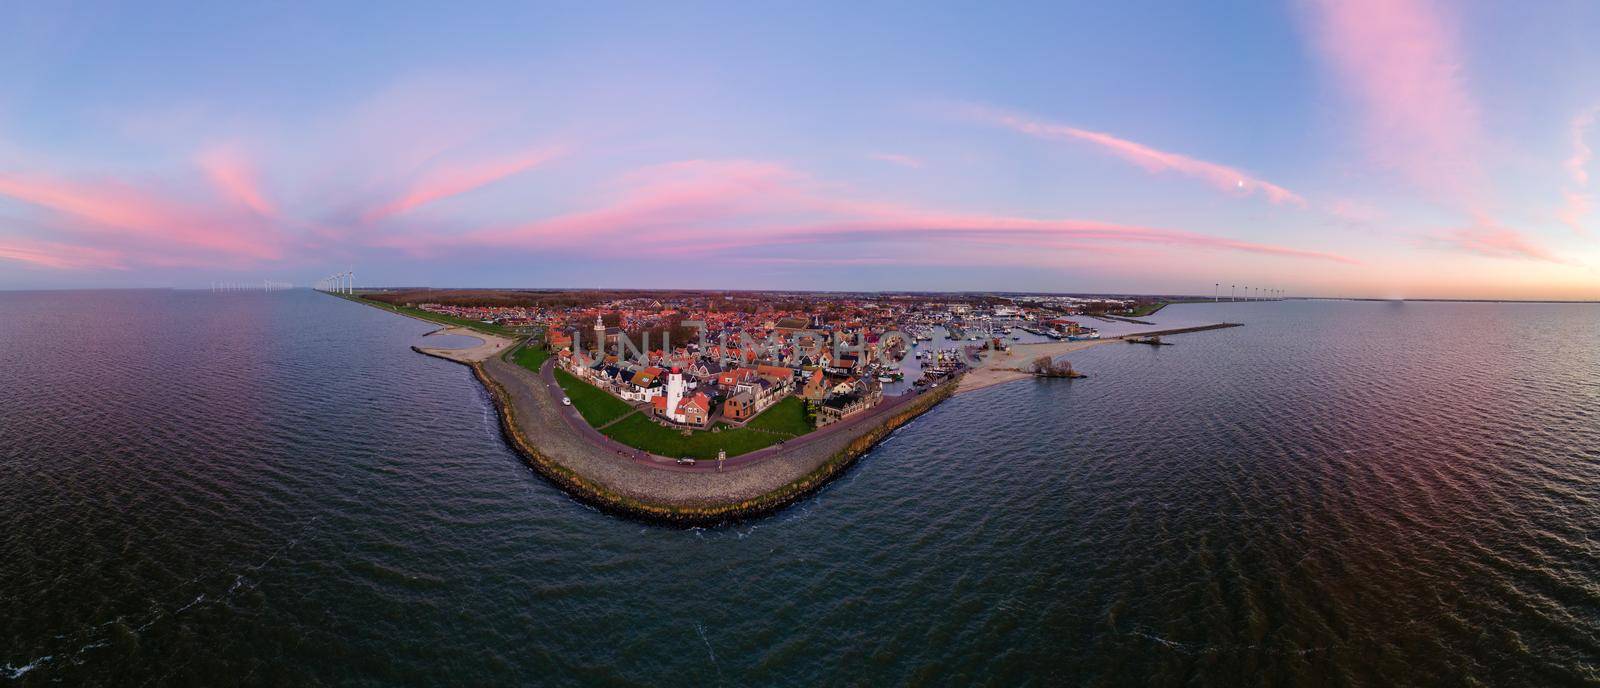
(897, 159)
(1578, 200)
(235, 178)
(662, 197)
(711, 208)
(1222, 177)
(117, 211)
(1488, 238)
(1398, 60)
(459, 179)
(58, 256)
(1582, 154)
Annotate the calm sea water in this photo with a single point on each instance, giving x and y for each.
(272, 489)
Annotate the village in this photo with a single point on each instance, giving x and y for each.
(698, 362)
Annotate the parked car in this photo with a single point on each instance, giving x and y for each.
(685, 461)
(566, 401)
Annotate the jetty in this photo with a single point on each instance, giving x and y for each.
(1181, 330)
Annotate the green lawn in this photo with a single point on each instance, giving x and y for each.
(1145, 309)
(530, 357)
(597, 406)
(642, 432)
(787, 416)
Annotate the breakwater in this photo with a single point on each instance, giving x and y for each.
(1180, 330)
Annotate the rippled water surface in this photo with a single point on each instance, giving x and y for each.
(272, 489)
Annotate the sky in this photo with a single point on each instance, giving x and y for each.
(1356, 148)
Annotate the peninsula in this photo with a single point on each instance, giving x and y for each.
(698, 408)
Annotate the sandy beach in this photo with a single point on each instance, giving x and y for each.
(489, 345)
(1006, 366)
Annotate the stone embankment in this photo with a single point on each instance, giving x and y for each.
(531, 421)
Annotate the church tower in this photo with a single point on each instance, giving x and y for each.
(599, 334)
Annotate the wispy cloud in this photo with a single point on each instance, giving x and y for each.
(897, 159)
(453, 180)
(58, 256)
(1221, 177)
(1399, 62)
(1578, 199)
(1489, 238)
(235, 178)
(118, 212)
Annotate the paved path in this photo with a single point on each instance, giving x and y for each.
(561, 437)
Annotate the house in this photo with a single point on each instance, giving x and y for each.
(649, 376)
(779, 374)
(841, 406)
(704, 370)
(846, 386)
(639, 387)
(740, 406)
(728, 379)
(749, 399)
(816, 387)
(696, 410)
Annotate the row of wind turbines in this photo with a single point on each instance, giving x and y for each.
(1250, 293)
(342, 283)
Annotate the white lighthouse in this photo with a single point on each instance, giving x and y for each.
(674, 392)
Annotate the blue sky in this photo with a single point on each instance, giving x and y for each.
(1362, 148)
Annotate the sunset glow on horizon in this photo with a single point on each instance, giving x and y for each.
(1362, 148)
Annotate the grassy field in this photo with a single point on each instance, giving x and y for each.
(1150, 308)
(1145, 309)
(784, 420)
(441, 318)
(644, 433)
(787, 416)
(595, 405)
(530, 357)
